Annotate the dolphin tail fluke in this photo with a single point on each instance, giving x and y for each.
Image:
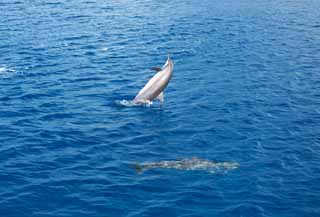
(160, 97)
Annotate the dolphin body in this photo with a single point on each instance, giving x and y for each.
(155, 86)
(193, 163)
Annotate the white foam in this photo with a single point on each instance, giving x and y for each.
(104, 49)
(6, 72)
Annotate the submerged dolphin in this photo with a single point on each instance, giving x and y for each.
(155, 86)
(189, 164)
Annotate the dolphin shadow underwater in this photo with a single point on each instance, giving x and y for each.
(194, 164)
(154, 88)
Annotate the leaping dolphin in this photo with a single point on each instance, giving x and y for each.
(156, 85)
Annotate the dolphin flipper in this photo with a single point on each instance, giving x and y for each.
(157, 69)
(160, 97)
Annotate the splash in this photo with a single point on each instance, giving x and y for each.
(6, 72)
(189, 164)
(125, 103)
(130, 103)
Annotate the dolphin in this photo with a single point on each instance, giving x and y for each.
(193, 163)
(156, 85)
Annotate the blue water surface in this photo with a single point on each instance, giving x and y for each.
(245, 89)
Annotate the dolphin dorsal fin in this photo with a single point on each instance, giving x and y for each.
(157, 69)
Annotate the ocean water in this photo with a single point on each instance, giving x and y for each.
(245, 89)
